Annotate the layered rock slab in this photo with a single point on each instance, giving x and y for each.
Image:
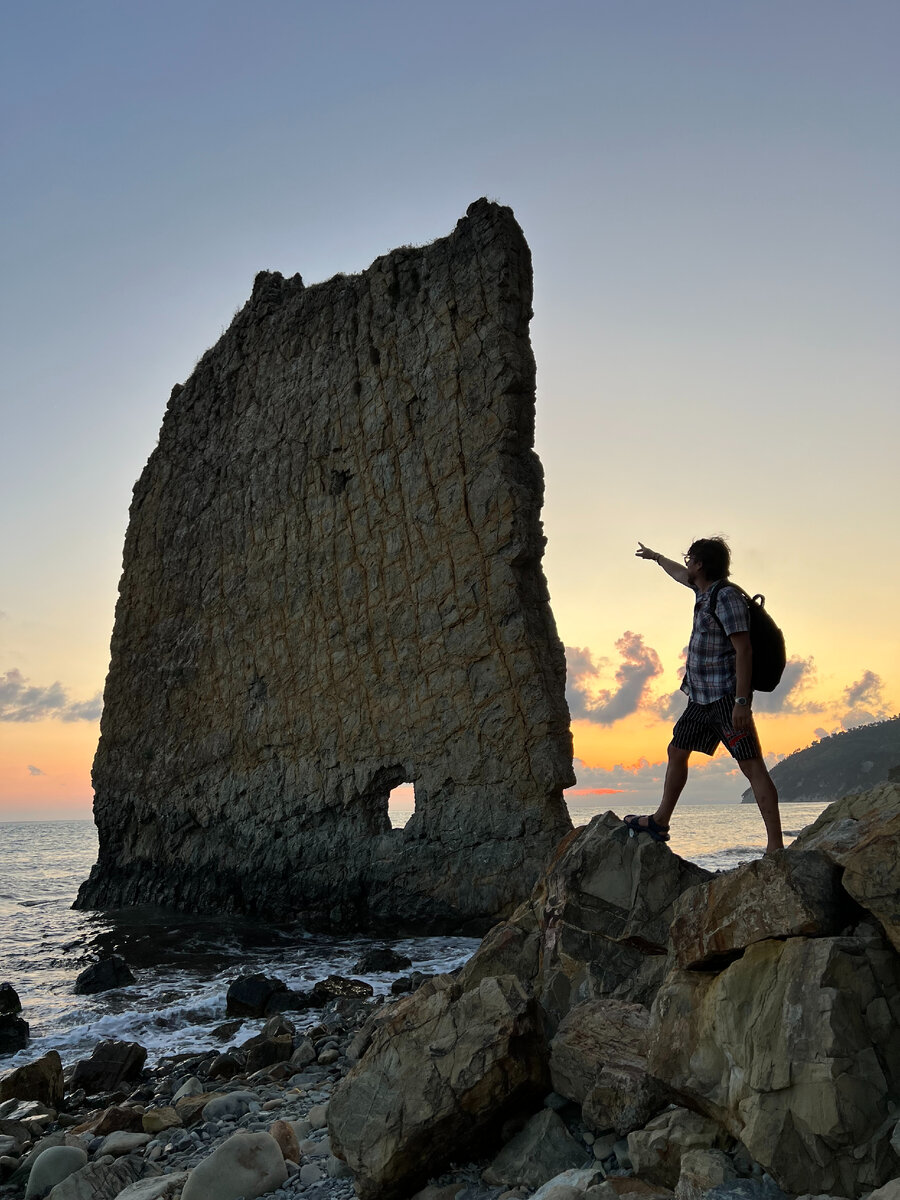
(861, 833)
(795, 1049)
(788, 894)
(596, 925)
(332, 584)
(444, 1067)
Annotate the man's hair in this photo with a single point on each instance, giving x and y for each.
(713, 555)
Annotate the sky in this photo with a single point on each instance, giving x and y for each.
(711, 195)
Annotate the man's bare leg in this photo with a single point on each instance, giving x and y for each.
(676, 778)
(766, 795)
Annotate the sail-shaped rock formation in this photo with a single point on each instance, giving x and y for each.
(332, 584)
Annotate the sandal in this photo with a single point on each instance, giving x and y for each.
(659, 833)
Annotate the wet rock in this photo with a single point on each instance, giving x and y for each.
(40, 1080)
(224, 1066)
(336, 986)
(409, 983)
(14, 1034)
(10, 1004)
(266, 1052)
(289, 1001)
(111, 1064)
(539, 1152)
(780, 895)
(226, 1031)
(246, 1165)
(444, 1065)
(656, 1151)
(794, 1049)
(103, 976)
(52, 1167)
(381, 958)
(248, 995)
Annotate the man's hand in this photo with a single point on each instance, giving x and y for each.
(741, 717)
(677, 571)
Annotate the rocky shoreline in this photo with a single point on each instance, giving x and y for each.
(639, 1027)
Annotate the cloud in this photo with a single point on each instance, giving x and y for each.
(36, 771)
(867, 690)
(640, 664)
(865, 701)
(22, 701)
(799, 675)
(716, 779)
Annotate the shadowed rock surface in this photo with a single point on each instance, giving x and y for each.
(332, 584)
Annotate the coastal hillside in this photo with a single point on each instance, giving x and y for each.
(842, 763)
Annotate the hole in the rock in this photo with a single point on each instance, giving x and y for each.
(401, 804)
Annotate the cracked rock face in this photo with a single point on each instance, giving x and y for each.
(332, 584)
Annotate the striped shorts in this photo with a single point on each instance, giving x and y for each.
(702, 726)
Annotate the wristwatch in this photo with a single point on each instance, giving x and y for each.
(742, 701)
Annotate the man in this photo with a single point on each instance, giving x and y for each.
(717, 683)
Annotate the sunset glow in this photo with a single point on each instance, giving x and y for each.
(710, 196)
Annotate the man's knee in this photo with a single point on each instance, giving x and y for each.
(678, 756)
(754, 768)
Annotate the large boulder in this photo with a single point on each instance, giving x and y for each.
(104, 1181)
(597, 923)
(537, 1153)
(795, 1049)
(336, 987)
(779, 895)
(167, 1187)
(103, 976)
(598, 1058)
(111, 1063)
(246, 1165)
(40, 1080)
(10, 1004)
(381, 958)
(248, 995)
(14, 1034)
(445, 1066)
(52, 1167)
(861, 833)
(657, 1150)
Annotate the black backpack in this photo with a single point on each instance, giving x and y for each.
(767, 640)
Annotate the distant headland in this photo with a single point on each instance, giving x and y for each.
(838, 764)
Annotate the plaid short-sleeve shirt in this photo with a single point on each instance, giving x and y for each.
(710, 670)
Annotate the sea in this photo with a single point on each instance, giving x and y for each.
(183, 964)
